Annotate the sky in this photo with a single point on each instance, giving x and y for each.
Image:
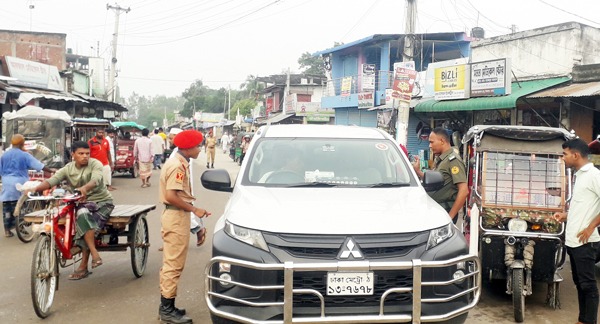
(164, 46)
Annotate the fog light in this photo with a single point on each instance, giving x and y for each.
(224, 267)
(225, 276)
(487, 240)
(458, 274)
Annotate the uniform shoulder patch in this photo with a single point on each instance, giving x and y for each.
(451, 157)
(179, 177)
(455, 170)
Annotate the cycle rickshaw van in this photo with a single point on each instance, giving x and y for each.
(127, 133)
(44, 131)
(517, 181)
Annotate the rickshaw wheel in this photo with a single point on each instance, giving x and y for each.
(139, 242)
(517, 295)
(24, 206)
(44, 276)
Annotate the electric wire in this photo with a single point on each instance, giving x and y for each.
(570, 13)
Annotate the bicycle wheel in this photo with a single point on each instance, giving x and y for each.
(44, 276)
(25, 206)
(139, 240)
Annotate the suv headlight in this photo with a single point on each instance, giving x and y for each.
(246, 235)
(517, 225)
(439, 235)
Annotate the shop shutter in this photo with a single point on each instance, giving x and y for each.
(414, 144)
(353, 116)
(341, 116)
(368, 118)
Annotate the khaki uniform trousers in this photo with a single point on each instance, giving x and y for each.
(210, 155)
(175, 232)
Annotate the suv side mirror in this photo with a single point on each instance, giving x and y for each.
(217, 180)
(432, 180)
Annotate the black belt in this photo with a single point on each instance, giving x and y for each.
(171, 207)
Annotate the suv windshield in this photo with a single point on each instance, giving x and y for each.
(297, 162)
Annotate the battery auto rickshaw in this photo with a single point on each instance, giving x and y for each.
(517, 181)
(127, 133)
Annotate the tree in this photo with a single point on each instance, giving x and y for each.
(311, 64)
(251, 87)
(245, 107)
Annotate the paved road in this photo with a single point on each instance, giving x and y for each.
(113, 295)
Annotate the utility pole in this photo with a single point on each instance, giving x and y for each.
(407, 55)
(113, 60)
(229, 107)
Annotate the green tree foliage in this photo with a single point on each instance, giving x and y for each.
(311, 64)
(146, 110)
(244, 106)
(251, 87)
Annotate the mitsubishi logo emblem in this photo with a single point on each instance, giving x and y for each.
(350, 248)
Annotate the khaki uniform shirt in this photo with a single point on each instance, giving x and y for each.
(211, 142)
(452, 168)
(77, 177)
(175, 175)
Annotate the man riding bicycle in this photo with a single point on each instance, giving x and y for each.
(85, 175)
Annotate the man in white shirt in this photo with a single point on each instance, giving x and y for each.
(581, 235)
(224, 142)
(110, 137)
(158, 148)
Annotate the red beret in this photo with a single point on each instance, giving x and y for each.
(188, 139)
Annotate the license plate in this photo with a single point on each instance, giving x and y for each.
(349, 283)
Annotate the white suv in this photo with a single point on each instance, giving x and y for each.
(330, 224)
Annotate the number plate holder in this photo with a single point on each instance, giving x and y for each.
(349, 283)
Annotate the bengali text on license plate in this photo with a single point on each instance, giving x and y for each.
(350, 283)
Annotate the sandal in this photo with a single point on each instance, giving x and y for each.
(9, 234)
(96, 263)
(201, 237)
(79, 274)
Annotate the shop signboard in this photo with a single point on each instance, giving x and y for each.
(452, 82)
(346, 86)
(290, 103)
(490, 78)
(368, 78)
(366, 100)
(404, 81)
(33, 74)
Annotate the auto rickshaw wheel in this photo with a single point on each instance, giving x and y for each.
(134, 171)
(518, 295)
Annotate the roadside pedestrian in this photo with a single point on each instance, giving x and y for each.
(86, 176)
(158, 149)
(100, 150)
(210, 144)
(453, 194)
(244, 146)
(175, 194)
(110, 137)
(581, 235)
(15, 164)
(142, 153)
(224, 142)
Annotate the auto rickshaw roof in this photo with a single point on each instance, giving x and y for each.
(524, 133)
(127, 124)
(35, 112)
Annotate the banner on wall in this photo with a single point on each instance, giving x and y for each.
(368, 78)
(366, 100)
(452, 82)
(346, 86)
(404, 81)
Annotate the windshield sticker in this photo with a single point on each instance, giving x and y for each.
(328, 148)
(381, 146)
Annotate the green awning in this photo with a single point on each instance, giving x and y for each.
(519, 90)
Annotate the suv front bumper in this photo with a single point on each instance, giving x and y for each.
(253, 303)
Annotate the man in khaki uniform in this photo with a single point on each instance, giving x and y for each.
(175, 194)
(453, 194)
(211, 142)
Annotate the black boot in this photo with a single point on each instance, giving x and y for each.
(207, 165)
(212, 165)
(169, 314)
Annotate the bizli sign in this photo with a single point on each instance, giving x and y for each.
(452, 82)
(490, 78)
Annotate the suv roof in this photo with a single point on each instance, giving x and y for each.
(329, 131)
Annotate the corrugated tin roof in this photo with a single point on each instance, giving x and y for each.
(587, 89)
(519, 90)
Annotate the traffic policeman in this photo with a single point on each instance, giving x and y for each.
(176, 195)
(453, 194)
